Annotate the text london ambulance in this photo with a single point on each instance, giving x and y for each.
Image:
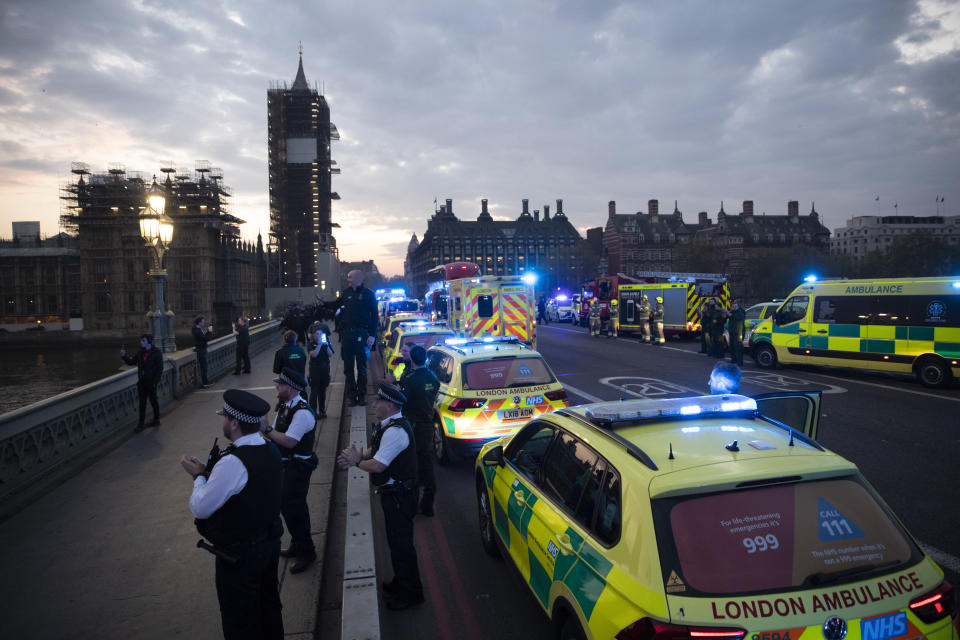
(830, 601)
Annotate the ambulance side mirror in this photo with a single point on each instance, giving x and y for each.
(494, 457)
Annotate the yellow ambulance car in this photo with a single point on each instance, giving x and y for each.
(905, 325)
(489, 387)
(703, 518)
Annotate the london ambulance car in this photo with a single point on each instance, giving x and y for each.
(903, 325)
(703, 518)
(492, 306)
(408, 334)
(391, 324)
(489, 387)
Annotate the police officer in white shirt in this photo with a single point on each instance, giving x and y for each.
(294, 432)
(391, 461)
(236, 501)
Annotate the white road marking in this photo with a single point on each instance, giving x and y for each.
(780, 382)
(648, 387)
(583, 394)
(886, 386)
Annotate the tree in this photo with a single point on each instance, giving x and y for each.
(915, 255)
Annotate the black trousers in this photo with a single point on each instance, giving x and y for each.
(249, 597)
(355, 354)
(318, 391)
(716, 344)
(202, 363)
(399, 509)
(243, 356)
(293, 505)
(736, 351)
(148, 391)
(423, 433)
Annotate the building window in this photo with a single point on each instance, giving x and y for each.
(102, 303)
(31, 305)
(10, 307)
(52, 305)
(187, 301)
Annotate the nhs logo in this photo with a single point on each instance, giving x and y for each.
(891, 626)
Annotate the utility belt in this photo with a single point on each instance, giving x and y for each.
(396, 487)
(233, 553)
(313, 461)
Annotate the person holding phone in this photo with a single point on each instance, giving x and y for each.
(200, 338)
(320, 351)
(149, 369)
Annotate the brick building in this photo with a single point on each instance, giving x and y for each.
(640, 241)
(549, 246)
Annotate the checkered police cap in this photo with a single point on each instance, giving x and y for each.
(391, 394)
(243, 406)
(291, 378)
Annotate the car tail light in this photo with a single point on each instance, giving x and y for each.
(559, 394)
(649, 629)
(939, 603)
(462, 404)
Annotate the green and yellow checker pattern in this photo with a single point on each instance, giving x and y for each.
(577, 568)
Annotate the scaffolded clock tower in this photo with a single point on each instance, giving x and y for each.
(299, 133)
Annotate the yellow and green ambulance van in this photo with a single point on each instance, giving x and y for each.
(901, 325)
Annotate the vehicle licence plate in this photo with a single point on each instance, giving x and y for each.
(515, 414)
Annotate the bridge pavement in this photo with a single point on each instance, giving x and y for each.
(111, 552)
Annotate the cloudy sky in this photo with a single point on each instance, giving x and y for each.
(819, 101)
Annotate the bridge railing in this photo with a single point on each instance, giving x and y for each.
(42, 440)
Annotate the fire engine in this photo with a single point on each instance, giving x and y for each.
(683, 294)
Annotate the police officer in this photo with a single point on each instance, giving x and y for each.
(357, 321)
(392, 462)
(735, 329)
(657, 318)
(643, 317)
(420, 386)
(704, 326)
(294, 432)
(238, 510)
(594, 318)
(716, 330)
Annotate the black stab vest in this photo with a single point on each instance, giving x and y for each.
(253, 512)
(285, 417)
(403, 468)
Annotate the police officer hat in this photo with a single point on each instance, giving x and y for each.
(243, 406)
(391, 394)
(291, 378)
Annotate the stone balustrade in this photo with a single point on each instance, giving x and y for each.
(41, 442)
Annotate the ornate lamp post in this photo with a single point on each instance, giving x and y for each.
(157, 231)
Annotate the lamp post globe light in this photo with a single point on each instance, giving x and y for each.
(157, 232)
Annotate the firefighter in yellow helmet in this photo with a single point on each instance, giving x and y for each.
(657, 317)
(614, 327)
(643, 317)
(595, 317)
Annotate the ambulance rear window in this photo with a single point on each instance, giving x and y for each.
(781, 538)
(505, 373)
(426, 341)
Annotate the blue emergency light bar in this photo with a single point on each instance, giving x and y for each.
(459, 342)
(422, 324)
(669, 408)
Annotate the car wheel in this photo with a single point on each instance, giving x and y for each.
(571, 629)
(765, 355)
(441, 445)
(486, 520)
(933, 372)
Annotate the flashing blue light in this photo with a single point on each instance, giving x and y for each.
(488, 339)
(956, 285)
(730, 406)
(529, 278)
(810, 278)
(690, 410)
(456, 341)
(562, 298)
